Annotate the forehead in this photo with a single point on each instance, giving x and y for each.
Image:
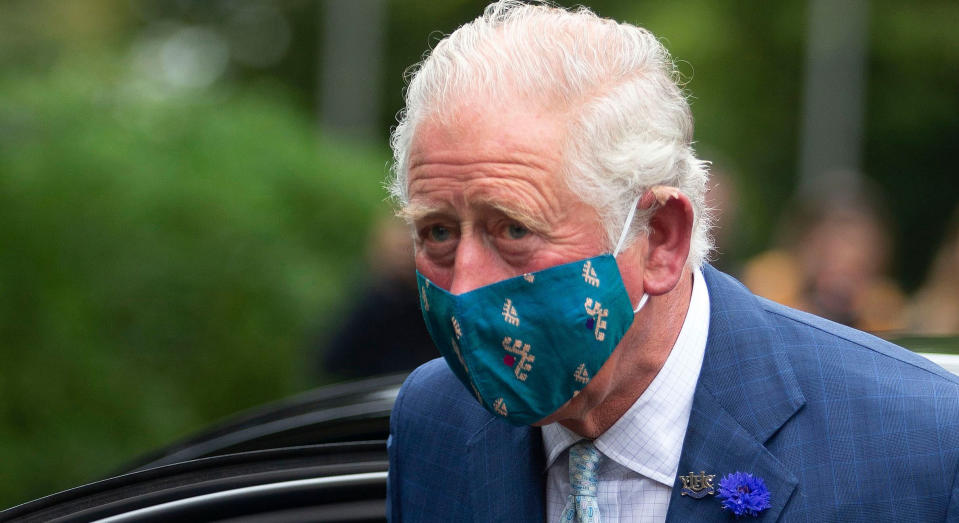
(481, 154)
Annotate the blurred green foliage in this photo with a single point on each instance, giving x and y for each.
(162, 263)
(932, 344)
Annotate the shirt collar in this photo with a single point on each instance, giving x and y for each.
(648, 438)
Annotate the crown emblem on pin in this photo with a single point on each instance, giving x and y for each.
(698, 486)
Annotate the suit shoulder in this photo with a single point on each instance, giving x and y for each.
(432, 395)
(849, 346)
(432, 374)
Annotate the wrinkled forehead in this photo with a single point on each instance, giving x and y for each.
(476, 126)
(482, 128)
(512, 158)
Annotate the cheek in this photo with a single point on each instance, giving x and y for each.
(544, 258)
(631, 270)
(634, 287)
(441, 276)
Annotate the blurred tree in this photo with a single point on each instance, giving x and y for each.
(162, 261)
(912, 131)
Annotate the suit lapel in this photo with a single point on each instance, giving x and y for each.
(507, 473)
(717, 444)
(746, 391)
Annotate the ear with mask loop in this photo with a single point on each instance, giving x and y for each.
(622, 240)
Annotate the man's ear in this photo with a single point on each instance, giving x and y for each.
(670, 229)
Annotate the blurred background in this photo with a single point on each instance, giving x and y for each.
(192, 218)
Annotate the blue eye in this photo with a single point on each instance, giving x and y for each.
(517, 231)
(438, 233)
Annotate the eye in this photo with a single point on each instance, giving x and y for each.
(517, 231)
(438, 233)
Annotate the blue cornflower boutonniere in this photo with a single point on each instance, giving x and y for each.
(743, 493)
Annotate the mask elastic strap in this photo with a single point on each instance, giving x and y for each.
(642, 302)
(622, 239)
(629, 221)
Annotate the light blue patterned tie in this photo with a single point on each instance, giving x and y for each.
(581, 504)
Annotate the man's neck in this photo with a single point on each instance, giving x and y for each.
(636, 361)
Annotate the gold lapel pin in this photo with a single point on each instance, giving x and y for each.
(698, 486)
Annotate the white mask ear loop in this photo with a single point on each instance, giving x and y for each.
(622, 239)
(642, 302)
(629, 221)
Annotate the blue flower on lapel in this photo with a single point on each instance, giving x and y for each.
(743, 493)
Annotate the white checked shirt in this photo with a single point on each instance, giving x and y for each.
(641, 450)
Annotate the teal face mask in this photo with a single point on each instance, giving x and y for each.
(526, 345)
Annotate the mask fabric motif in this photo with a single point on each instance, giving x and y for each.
(526, 345)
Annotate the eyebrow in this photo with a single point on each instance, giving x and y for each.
(415, 211)
(518, 212)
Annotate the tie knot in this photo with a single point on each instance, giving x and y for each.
(583, 463)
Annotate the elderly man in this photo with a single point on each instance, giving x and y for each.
(595, 367)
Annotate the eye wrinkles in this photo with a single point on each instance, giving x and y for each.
(502, 228)
(499, 216)
(418, 213)
(439, 229)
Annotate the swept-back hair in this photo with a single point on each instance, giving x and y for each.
(629, 124)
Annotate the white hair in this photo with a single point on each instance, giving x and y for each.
(630, 127)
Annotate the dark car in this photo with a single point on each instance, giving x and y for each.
(318, 456)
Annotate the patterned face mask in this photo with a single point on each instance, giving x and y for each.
(526, 345)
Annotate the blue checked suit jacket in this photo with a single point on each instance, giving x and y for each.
(841, 426)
